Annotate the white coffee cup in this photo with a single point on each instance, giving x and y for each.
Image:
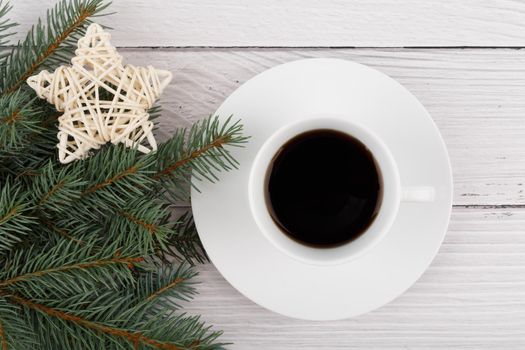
(392, 192)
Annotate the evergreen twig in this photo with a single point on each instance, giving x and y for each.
(134, 338)
(15, 216)
(183, 242)
(80, 244)
(128, 261)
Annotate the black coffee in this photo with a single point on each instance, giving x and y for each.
(323, 188)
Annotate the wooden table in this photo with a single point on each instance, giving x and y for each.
(463, 59)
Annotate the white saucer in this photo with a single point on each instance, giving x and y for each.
(263, 273)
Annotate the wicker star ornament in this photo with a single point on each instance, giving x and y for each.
(102, 100)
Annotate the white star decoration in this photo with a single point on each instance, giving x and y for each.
(101, 99)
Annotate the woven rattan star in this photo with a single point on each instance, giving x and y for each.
(102, 100)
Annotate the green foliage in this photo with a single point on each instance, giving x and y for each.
(116, 175)
(54, 190)
(198, 151)
(66, 268)
(183, 242)
(19, 118)
(163, 288)
(15, 333)
(145, 220)
(76, 298)
(15, 215)
(92, 255)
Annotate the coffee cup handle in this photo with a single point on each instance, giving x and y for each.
(417, 194)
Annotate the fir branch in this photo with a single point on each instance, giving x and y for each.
(27, 141)
(203, 137)
(116, 310)
(183, 243)
(15, 216)
(15, 333)
(128, 261)
(18, 119)
(76, 241)
(164, 286)
(150, 227)
(72, 226)
(172, 284)
(168, 170)
(13, 117)
(127, 169)
(54, 189)
(135, 338)
(67, 268)
(190, 331)
(126, 172)
(116, 176)
(51, 44)
(62, 232)
(7, 216)
(205, 153)
(142, 223)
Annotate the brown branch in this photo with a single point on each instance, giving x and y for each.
(26, 173)
(3, 338)
(151, 228)
(51, 192)
(134, 338)
(96, 263)
(109, 181)
(10, 119)
(195, 154)
(61, 231)
(86, 12)
(165, 288)
(9, 214)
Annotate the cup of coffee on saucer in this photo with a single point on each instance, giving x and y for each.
(342, 196)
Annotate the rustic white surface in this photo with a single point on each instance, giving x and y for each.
(308, 22)
(473, 295)
(476, 97)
